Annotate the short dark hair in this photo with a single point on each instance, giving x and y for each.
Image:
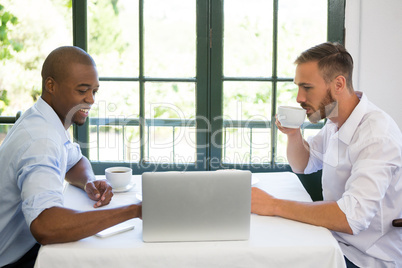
(332, 59)
(57, 62)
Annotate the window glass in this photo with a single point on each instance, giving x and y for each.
(247, 145)
(245, 104)
(36, 34)
(114, 120)
(169, 38)
(301, 25)
(170, 100)
(116, 100)
(169, 108)
(151, 68)
(28, 35)
(247, 38)
(247, 100)
(250, 59)
(113, 37)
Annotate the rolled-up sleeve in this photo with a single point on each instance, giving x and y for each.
(36, 204)
(374, 165)
(40, 178)
(73, 154)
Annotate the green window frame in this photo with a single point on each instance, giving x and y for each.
(209, 83)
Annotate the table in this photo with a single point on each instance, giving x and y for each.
(274, 241)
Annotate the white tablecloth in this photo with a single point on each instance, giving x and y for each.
(274, 242)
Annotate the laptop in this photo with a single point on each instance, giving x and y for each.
(196, 205)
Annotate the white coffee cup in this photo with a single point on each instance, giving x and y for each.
(290, 116)
(119, 177)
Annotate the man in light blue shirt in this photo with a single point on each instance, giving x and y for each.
(37, 155)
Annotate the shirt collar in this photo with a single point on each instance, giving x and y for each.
(52, 118)
(348, 129)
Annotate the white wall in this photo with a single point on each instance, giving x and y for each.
(374, 38)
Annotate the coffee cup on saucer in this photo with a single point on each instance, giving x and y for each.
(290, 116)
(119, 177)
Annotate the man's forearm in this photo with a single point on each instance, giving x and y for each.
(297, 152)
(80, 173)
(322, 213)
(60, 225)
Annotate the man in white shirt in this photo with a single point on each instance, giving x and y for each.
(360, 153)
(37, 155)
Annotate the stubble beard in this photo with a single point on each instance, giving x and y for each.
(326, 109)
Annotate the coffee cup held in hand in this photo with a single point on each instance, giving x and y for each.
(118, 177)
(291, 117)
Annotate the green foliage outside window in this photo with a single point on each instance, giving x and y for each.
(7, 47)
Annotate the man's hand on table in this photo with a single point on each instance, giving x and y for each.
(262, 203)
(100, 191)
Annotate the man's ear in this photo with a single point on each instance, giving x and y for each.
(340, 84)
(50, 85)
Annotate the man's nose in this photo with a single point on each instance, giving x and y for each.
(301, 96)
(90, 97)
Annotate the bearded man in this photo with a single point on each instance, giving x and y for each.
(359, 151)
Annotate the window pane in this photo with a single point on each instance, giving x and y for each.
(260, 145)
(287, 94)
(38, 34)
(107, 143)
(247, 145)
(115, 103)
(94, 137)
(113, 37)
(185, 144)
(248, 38)
(281, 141)
(116, 100)
(170, 145)
(111, 143)
(236, 146)
(160, 145)
(247, 114)
(301, 25)
(247, 100)
(132, 143)
(170, 113)
(170, 38)
(170, 100)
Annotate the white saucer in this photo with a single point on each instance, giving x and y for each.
(124, 189)
(292, 126)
